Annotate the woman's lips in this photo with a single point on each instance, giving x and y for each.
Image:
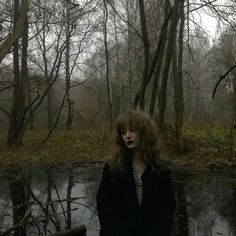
(130, 142)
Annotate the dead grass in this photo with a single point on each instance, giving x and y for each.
(202, 149)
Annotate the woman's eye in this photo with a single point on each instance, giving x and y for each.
(123, 131)
(132, 130)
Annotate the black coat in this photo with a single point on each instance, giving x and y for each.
(119, 212)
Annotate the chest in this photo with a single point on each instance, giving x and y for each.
(124, 193)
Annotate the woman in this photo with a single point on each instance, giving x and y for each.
(135, 196)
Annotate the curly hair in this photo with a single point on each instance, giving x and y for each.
(146, 127)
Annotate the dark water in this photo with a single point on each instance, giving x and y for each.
(206, 200)
(211, 202)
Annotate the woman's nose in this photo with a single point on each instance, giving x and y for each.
(127, 134)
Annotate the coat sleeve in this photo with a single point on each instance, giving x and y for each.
(165, 218)
(111, 224)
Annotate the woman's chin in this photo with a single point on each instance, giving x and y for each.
(131, 147)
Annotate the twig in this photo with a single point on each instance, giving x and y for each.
(221, 79)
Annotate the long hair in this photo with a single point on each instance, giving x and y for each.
(145, 126)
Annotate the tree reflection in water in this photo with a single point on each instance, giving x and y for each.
(210, 199)
(56, 199)
(20, 201)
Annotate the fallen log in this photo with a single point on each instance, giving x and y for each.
(76, 231)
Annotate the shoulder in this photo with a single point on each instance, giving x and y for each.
(106, 169)
(110, 172)
(162, 172)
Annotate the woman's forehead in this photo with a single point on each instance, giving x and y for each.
(127, 125)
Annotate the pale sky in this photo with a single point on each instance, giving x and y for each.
(207, 22)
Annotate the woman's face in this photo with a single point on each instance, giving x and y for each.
(131, 138)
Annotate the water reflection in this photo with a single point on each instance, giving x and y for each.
(59, 198)
(55, 199)
(210, 203)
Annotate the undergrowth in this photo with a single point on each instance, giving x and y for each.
(204, 147)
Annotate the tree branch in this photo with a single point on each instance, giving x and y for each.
(221, 79)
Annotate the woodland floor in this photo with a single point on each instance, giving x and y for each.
(205, 146)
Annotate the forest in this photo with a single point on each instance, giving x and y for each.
(68, 68)
(72, 66)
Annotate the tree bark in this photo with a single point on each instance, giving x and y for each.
(109, 90)
(19, 202)
(234, 112)
(24, 71)
(121, 107)
(16, 124)
(146, 46)
(67, 57)
(165, 74)
(159, 56)
(46, 75)
(71, 183)
(29, 101)
(178, 84)
(129, 56)
(17, 30)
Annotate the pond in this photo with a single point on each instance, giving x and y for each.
(61, 198)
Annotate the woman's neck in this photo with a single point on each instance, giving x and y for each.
(138, 161)
(138, 155)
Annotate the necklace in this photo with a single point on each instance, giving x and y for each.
(139, 170)
(137, 178)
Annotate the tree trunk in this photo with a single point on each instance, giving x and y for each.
(18, 29)
(159, 56)
(118, 77)
(25, 71)
(109, 90)
(46, 75)
(49, 105)
(19, 202)
(16, 124)
(67, 57)
(29, 101)
(129, 55)
(234, 113)
(71, 183)
(178, 84)
(171, 37)
(146, 46)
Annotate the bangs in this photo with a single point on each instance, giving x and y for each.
(127, 122)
